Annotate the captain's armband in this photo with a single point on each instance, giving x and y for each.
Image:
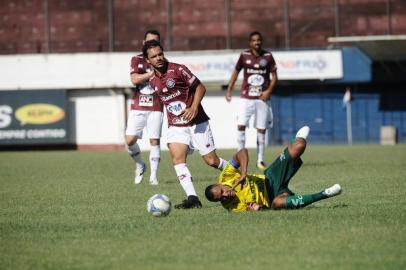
(234, 163)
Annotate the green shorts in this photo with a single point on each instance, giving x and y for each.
(279, 173)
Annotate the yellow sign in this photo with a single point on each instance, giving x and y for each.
(39, 114)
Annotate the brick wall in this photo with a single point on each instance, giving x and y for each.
(82, 26)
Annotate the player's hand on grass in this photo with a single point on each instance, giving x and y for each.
(253, 207)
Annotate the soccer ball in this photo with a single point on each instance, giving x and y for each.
(159, 205)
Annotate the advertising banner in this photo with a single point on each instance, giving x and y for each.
(292, 65)
(309, 65)
(33, 117)
(104, 70)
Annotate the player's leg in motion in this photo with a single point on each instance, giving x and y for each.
(135, 153)
(260, 148)
(154, 128)
(154, 159)
(202, 139)
(135, 125)
(244, 113)
(261, 124)
(286, 201)
(240, 137)
(214, 161)
(179, 152)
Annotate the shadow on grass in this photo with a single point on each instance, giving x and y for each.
(315, 206)
(170, 181)
(324, 163)
(201, 180)
(340, 205)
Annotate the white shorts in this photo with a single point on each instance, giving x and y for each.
(262, 112)
(197, 137)
(151, 120)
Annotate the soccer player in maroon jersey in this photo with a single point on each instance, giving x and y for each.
(256, 90)
(181, 92)
(146, 112)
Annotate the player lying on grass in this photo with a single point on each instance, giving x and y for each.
(238, 191)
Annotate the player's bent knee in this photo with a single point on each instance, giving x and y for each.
(130, 140)
(278, 203)
(178, 160)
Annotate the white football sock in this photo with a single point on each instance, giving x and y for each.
(135, 153)
(222, 164)
(260, 146)
(241, 139)
(154, 158)
(185, 179)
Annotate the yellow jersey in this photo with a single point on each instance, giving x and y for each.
(253, 190)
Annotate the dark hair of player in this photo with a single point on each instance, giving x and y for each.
(255, 33)
(148, 45)
(152, 32)
(209, 194)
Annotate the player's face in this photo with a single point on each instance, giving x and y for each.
(156, 57)
(223, 192)
(256, 42)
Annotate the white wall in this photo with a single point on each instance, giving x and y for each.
(97, 117)
(223, 122)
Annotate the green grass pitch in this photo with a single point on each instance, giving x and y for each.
(81, 210)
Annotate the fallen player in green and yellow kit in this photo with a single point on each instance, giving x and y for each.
(238, 191)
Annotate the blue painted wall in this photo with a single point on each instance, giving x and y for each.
(357, 66)
(325, 114)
